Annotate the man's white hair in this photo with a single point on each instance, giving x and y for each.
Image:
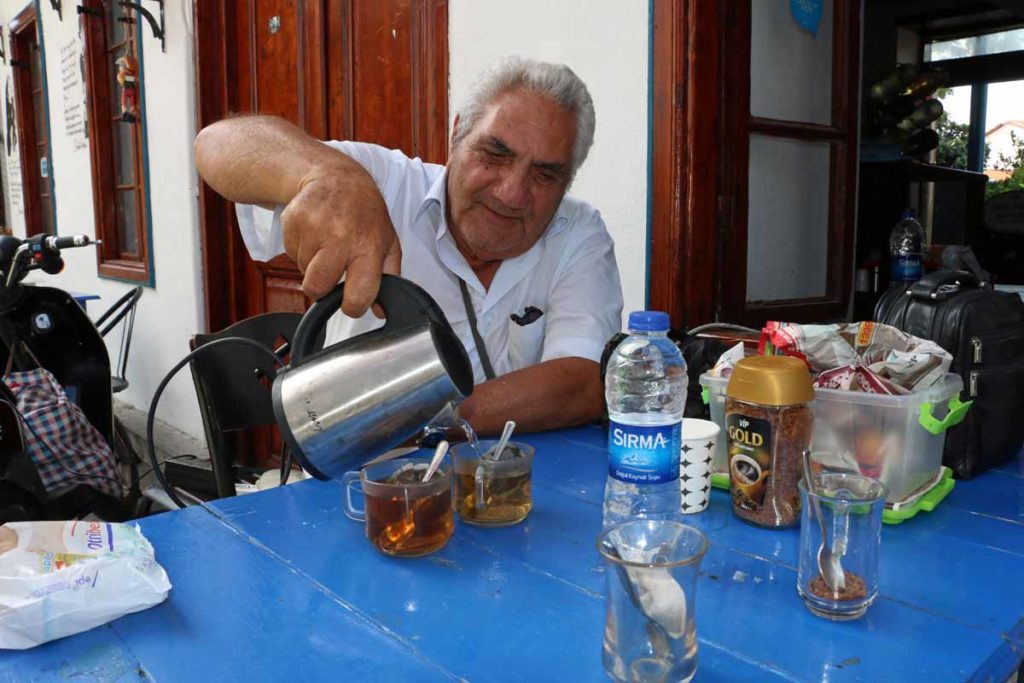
(555, 81)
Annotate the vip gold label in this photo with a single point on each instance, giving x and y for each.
(750, 459)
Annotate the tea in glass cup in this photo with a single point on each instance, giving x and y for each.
(404, 516)
(493, 490)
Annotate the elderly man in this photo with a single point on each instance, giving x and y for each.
(526, 275)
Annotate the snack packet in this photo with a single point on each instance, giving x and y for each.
(863, 356)
(724, 364)
(62, 578)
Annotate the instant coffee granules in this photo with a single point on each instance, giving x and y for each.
(768, 425)
(853, 590)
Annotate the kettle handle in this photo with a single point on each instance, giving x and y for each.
(404, 302)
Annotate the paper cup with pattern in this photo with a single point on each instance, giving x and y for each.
(698, 451)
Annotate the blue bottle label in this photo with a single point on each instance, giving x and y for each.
(642, 454)
(906, 268)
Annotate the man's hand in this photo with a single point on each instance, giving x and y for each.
(335, 222)
(338, 225)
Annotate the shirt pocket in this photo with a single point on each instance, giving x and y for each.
(525, 343)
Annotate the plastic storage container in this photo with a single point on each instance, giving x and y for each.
(897, 439)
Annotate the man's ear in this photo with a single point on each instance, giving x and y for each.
(455, 132)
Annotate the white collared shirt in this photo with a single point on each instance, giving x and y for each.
(570, 274)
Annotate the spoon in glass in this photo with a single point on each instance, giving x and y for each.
(829, 564)
(499, 448)
(439, 453)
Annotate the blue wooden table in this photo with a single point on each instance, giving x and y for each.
(280, 585)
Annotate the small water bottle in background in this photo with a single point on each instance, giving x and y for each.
(645, 387)
(906, 248)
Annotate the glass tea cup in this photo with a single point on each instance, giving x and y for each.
(850, 508)
(404, 516)
(651, 569)
(492, 492)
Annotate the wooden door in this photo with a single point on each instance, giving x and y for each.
(341, 69)
(33, 127)
(374, 71)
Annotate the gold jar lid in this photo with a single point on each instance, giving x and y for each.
(771, 381)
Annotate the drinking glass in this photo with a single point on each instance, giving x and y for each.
(651, 568)
(492, 492)
(851, 506)
(404, 516)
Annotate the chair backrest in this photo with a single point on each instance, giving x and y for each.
(122, 309)
(233, 386)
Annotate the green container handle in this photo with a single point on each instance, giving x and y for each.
(957, 411)
(705, 395)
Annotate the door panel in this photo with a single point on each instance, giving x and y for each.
(383, 40)
(787, 236)
(278, 71)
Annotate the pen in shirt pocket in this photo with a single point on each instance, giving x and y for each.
(530, 315)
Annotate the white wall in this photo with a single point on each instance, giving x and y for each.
(171, 310)
(606, 43)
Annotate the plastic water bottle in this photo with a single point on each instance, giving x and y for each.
(906, 247)
(645, 387)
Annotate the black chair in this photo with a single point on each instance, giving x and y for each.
(123, 309)
(233, 384)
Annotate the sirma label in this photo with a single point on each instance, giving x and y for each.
(642, 454)
(906, 268)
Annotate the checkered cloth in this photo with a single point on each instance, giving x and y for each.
(59, 428)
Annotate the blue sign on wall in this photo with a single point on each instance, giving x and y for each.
(807, 14)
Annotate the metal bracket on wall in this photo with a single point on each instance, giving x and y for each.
(158, 28)
(82, 9)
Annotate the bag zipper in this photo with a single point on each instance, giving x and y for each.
(974, 378)
(976, 343)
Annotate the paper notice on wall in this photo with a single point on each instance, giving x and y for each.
(72, 85)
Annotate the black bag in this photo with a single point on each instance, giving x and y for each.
(984, 331)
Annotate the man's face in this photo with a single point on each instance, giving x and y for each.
(507, 176)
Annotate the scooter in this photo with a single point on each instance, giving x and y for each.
(45, 327)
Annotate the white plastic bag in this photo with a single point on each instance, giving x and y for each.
(62, 578)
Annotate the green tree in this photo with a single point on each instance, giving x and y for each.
(952, 149)
(1013, 163)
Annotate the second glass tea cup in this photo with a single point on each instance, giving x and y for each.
(492, 492)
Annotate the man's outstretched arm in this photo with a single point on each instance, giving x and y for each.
(334, 221)
(557, 393)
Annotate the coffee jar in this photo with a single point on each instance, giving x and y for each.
(768, 422)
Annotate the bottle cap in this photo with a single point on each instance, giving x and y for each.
(771, 381)
(648, 321)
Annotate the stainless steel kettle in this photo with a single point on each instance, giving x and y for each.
(340, 406)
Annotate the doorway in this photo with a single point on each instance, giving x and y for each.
(33, 124)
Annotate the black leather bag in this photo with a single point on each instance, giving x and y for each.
(984, 331)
